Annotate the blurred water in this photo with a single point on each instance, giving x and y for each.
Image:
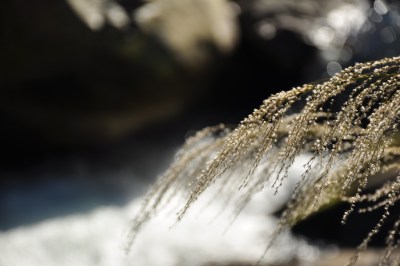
(97, 237)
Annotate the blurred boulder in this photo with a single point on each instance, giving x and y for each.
(191, 28)
(81, 72)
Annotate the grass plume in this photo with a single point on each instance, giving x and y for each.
(348, 124)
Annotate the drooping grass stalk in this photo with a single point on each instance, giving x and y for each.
(348, 124)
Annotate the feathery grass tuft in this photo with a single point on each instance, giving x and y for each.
(348, 124)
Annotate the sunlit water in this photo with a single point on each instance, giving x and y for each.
(99, 237)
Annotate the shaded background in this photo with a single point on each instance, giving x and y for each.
(97, 95)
